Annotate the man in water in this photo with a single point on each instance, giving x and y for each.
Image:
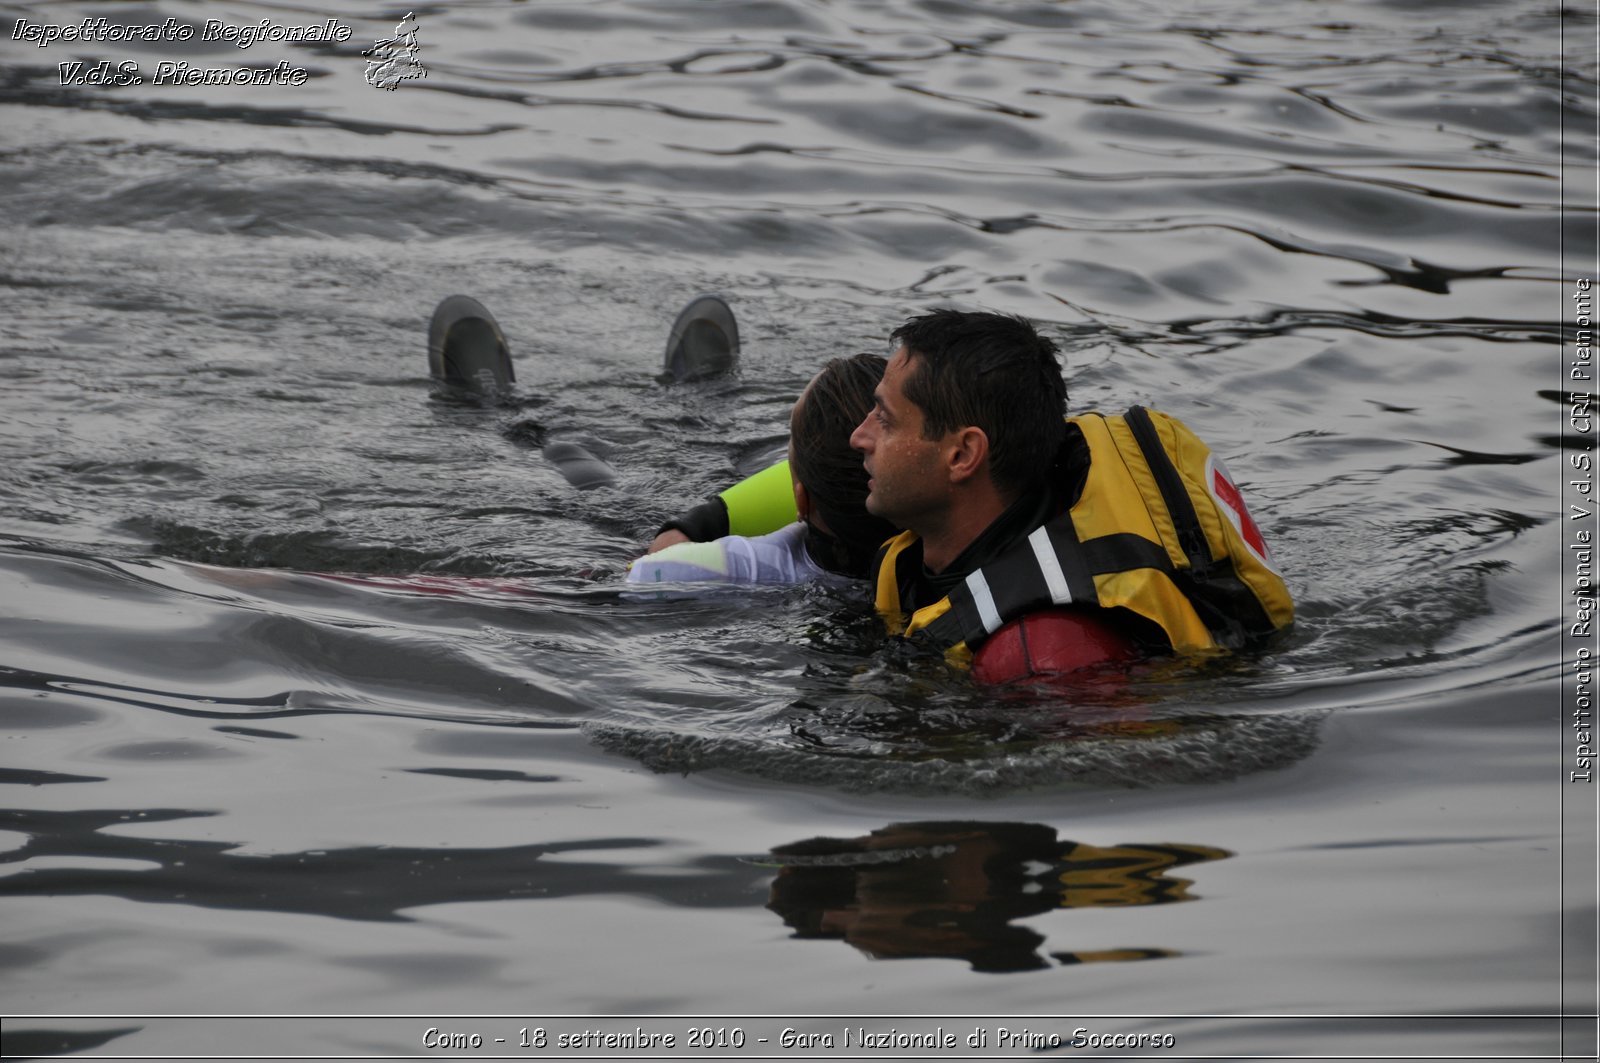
(1010, 508)
(961, 442)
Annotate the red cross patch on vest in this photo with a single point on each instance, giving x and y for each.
(1226, 494)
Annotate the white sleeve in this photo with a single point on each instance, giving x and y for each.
(776, 558)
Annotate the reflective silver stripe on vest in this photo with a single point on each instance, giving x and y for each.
(979, 588)
(1050, 566)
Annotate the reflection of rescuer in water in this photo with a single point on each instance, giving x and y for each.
(953, 889)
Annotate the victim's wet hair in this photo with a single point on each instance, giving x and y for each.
(831, 470)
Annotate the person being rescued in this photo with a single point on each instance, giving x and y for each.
(1035, 544)
(816, 500)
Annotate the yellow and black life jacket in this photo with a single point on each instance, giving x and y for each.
(1159, 529)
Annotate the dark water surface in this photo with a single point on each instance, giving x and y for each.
(1334, 237)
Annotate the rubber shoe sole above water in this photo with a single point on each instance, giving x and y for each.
(704, 340)
(466, 348)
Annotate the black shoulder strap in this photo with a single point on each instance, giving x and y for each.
(1224, 603)
(1191, 538)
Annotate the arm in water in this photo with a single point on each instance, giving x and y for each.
(754, 506)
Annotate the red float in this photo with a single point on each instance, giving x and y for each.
(1051, 643)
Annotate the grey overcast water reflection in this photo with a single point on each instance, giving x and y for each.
(1326, 234)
